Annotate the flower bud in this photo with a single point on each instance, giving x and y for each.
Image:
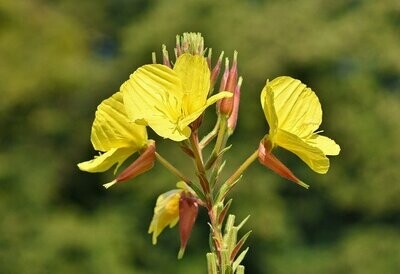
(190, 42)
(226, 105)
(178, 50)
(142, 164)
(188, 209)
(166, 61)
(232, 121)
(269, 160)
(216, 70)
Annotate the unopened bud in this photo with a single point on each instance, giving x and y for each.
(216, 70)
(209, 58)
(190, 42)
(188, 209)
(142, 164)
(178, 49)
(232, 121)
(166, 61)
(269, 160)
(226, 105)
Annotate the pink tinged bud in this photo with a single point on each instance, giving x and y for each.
(142, 164)
(209, 58)
(225, 76)
(216, 70)
(232, 121)
(178, 50)
(269, 160)
(188, 209)
(233, 74)
(226, 106)
(222, 84)
(166, 61)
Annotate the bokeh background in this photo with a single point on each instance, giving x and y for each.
(59, 59)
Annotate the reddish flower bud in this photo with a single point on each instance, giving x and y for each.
(216, 70)
(142, 164)
(225, 76)
(188, 209)
(226, 105)
(269, 160)
(236, 99)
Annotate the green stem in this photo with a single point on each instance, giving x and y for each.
(194, 142)
(171, 168)
(242, 168)
(210, 136)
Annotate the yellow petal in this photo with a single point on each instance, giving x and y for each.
(267, 104)
(297, 108)
(327, 145)
(112, 129)
(195, 76)
(166, 213)
(153, 95)
(312, 156)
(193, 116)
(106, 160)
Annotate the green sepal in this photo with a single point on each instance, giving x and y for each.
(239, 245)
(212, 263)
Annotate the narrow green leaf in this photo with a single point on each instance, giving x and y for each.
(239, 259)
(243, 222)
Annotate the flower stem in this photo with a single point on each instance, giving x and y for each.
(171, 168)
(242, 168)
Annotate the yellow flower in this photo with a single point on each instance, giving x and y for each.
(168, 100)
(166, 211)
(294, 113)
(114, 135)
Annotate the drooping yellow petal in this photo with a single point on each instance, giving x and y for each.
(297, 108)
(106, 160)
(153, 95)
(327, 145)
(166, 213)
(313, 156)
(195, 76)
(112, 129)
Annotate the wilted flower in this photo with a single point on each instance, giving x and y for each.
(168, 100)
(294, 113)
(169, 208)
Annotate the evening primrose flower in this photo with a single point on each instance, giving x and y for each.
(294, 113)
(169, 100)
(114, 136)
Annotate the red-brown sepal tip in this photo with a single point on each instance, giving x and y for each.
(142, 164)
(269, 160)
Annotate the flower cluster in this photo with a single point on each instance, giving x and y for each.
(171, 100)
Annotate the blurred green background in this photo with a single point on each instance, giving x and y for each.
(61, 58)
